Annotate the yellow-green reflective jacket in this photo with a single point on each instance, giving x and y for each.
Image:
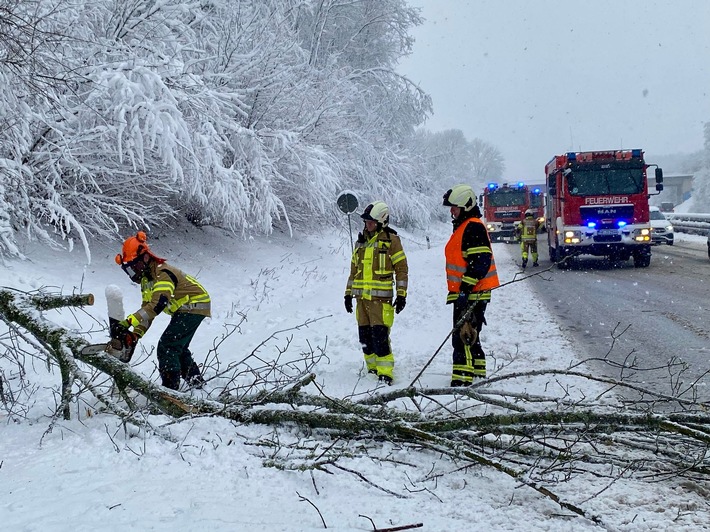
(376, 261)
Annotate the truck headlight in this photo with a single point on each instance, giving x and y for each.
(573, 237)
(642, 235)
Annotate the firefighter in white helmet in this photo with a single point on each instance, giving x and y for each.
(527, 234)
(378, 260)
(470, 276)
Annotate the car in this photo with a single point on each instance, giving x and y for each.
(661, 228)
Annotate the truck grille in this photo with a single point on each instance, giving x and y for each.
(507, 215)
(607, 238)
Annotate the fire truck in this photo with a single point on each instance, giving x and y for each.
(503, 207)
(597, 204)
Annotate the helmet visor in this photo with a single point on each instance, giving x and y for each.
(134, 269)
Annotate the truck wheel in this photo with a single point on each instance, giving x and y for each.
(642, 260)
(561, 255)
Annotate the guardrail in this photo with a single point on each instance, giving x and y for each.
(687, 222)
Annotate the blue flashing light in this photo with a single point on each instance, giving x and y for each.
(536, 190)
(636, 153)
(591, 225)
(571, 156)
(521, 184)
(621, 223)
(492, 186)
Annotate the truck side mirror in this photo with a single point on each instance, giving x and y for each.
(480, 199)
(659, 179)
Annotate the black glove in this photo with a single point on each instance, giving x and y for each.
(117, 329)
(461, 302)
(349, 304)
(399, 303)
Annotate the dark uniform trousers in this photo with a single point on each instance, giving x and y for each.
(469, 361)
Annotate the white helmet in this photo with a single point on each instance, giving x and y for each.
(377, 211)
(460, 196)
(530, 213)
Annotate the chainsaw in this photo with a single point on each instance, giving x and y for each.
(122, 345)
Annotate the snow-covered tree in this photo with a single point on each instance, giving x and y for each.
(487, 162)
(125, 113)
(701, 179)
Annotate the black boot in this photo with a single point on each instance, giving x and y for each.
(171, 379)
(525, 263)
(386, 379)
(193, 377)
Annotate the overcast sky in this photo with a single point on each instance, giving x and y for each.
(537, 78)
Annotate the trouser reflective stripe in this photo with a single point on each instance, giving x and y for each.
(370, 361)
(385, 365)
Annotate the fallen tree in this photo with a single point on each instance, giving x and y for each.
(540, 440)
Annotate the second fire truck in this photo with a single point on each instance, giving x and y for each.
(597, 204)
(503, 207)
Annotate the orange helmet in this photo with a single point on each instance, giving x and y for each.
(134, 247)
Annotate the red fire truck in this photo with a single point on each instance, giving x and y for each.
(597, 204)
(503, 207)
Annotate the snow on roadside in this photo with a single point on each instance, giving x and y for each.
(92, 474)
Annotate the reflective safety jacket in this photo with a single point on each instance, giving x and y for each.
(528, 229)
(376, 260)
(470, 266)
(168, 290)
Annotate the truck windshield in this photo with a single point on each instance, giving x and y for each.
(506, 197)
(593, 182)
(535, 200)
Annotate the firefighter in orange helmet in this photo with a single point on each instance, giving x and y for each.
(166, 289)
(470, 276)
(377, 259)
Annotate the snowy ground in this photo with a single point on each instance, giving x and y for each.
(88, 474)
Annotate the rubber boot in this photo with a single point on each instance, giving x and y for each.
(171, 379)
(525, 263)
